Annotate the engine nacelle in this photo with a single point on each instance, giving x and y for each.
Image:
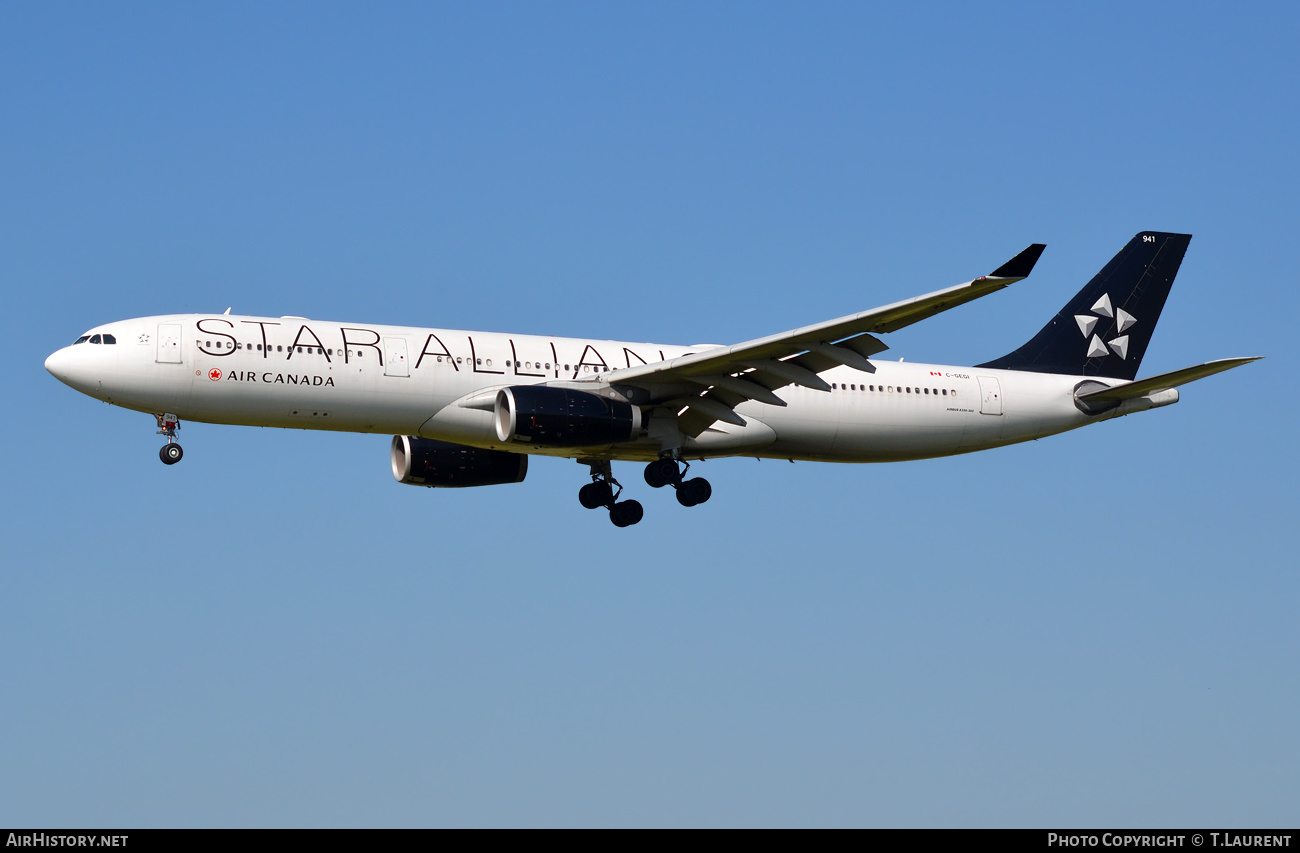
(560, 417)
(425, 462)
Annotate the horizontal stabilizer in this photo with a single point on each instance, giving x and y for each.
(1164, 381)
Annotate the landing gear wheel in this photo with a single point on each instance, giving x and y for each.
(170, 454)
(662, 472)
(596, 494)
(626, 513)
(694, 492)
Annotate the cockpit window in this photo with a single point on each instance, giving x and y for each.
(109, 339)
(81, 340)
(95, 339)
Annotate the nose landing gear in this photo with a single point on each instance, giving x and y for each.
(664, 471)
(170, 453)
(600, 493)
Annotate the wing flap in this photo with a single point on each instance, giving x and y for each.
(740, 386)
(791, 373)
(715, 409)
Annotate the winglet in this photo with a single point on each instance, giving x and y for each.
(1021, 265)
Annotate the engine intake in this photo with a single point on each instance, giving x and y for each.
(425, 462)
(560, 417)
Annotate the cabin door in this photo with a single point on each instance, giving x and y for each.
(169, 343)
(991, 394)
(395, 363)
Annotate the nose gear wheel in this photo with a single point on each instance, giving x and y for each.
(170, 453)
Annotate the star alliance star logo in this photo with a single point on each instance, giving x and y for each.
(1123, 322)
(144, 339)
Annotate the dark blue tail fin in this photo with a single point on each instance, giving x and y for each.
(1104, 330)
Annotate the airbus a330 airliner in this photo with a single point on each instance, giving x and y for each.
(467, 408)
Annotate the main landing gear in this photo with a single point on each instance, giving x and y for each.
(664, 471)
(600, 492)
(170, 453)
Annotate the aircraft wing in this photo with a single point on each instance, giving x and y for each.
(710, 384)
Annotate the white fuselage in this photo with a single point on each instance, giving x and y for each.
(309, 374)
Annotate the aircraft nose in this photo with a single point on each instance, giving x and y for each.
(59, 364)
(71, 368)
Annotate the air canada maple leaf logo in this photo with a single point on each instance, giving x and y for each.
(1123, 322)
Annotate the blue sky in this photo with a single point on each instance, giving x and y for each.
(1096, 629)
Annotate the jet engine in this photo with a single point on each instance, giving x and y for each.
(425, 462)
(560, 417)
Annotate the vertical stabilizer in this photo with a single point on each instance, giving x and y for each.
(1104, 330)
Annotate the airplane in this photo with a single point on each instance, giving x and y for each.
(468, 408)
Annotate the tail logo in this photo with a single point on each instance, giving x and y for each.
(1088, 323)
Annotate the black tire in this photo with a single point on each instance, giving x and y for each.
(667, 470)
(170, 454)
(694, 492)
(632, 511)
(652, 478)
(626, 513)
(596, 494)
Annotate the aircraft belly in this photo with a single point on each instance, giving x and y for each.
(876, 441)
(802, 429)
